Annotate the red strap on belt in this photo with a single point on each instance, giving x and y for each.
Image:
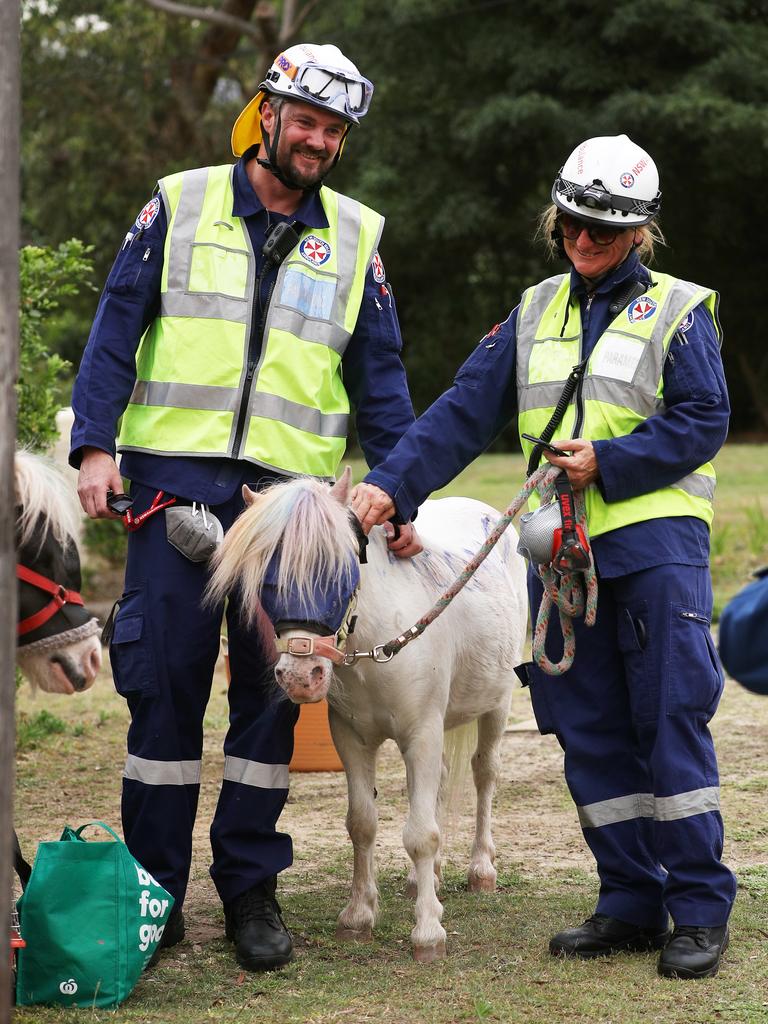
(132, 522)
(61, 596)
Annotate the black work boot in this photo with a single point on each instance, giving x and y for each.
(254, 924)
(173, 933)
(601, 935)
(693, 952)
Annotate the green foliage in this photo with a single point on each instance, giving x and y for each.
(31, 730)
(476, 107)
(107, 539)
(47, 276)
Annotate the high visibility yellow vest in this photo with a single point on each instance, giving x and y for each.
(623, 384)
(193, 395)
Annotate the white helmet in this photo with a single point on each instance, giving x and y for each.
(311, 73)
(609, 179)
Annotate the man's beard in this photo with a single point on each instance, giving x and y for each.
(303, 177)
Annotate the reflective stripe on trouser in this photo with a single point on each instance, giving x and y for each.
(631, 716)
(163, 652)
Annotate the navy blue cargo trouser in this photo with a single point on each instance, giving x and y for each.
(631, 716)
(163, 652)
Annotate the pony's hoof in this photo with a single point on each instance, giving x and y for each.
(482, 883)
(344, 934)
(428, 954)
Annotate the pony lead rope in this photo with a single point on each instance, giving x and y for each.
(563, 590)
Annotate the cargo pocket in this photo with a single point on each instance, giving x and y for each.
(643, 685)
(542, 710)
(130, 649)
(695, 676)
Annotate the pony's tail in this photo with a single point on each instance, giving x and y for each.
(459, 745)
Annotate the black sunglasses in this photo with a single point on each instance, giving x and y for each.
(571, 228)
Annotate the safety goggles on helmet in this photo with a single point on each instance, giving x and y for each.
(571, 227)
(595, 196)
(327, 85)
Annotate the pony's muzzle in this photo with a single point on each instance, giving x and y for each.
(305, 680)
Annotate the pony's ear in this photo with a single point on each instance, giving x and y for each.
(249, 496)
(343, 486)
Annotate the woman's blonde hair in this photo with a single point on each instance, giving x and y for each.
(650, 235)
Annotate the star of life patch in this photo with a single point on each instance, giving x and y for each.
(379, 274)
(641, 309)
(686, 323)
(148, 214)
(315, 251)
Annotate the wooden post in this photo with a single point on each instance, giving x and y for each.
(10, 21)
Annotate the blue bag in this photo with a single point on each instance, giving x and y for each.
(744, 635)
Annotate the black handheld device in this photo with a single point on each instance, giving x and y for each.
(118, 503)
(545, 445)
(282, 240)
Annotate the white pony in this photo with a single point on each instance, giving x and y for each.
(295, 549)
(59, 648)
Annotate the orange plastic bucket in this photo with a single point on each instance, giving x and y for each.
(313, 749)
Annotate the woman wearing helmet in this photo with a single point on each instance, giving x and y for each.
(621, 366)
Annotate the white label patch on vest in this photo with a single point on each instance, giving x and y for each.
(309, 296)
(315, 251)
(642, 309)
(617, 357)
(379, 274)
(148, 214)
(686, 323)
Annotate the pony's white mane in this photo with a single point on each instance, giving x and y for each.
(42, 492)
(312, 531)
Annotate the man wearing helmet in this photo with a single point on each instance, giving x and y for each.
(247, 305)
(623, 365)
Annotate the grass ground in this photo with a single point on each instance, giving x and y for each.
(498, 968)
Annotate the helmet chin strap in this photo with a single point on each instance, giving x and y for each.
(271, 164)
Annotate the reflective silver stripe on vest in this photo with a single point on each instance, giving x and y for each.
(645, 805)
(162, 773)
(256, 773)
(542, 295)
(177, 300)
(184, 396)
(698, 484)
(331, 332)
(539, 396)
(639, 397)
(301, 416)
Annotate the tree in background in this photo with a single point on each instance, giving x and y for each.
(477, 104)
(46, 277)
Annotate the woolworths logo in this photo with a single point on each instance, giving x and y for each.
(68, 988)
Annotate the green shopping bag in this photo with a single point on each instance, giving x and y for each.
(91, 917)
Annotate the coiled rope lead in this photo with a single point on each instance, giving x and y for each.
(566, 592)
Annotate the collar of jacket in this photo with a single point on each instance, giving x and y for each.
(309, 212)
(630, 268)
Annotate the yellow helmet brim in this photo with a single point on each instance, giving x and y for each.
(247, 129)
